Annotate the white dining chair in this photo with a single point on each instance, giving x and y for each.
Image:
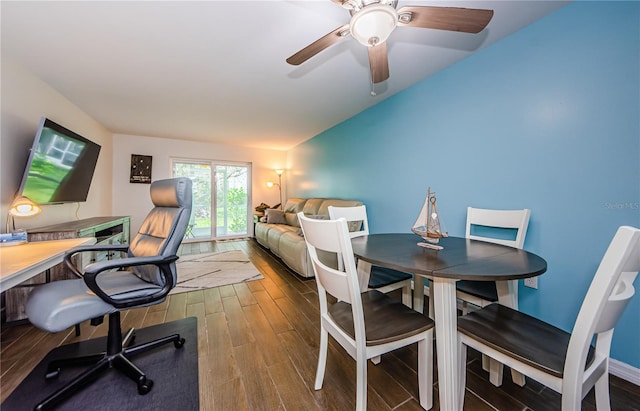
(567, 363)
(483, 293)
(382, 279)
(493, 226)
(366, 324)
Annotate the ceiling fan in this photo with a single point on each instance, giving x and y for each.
(372, 21)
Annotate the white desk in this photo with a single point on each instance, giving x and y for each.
(21, 262)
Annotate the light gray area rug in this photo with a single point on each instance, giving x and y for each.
(201, 271)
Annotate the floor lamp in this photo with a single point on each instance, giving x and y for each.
(279, 184)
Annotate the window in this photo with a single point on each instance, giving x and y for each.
(220, 186)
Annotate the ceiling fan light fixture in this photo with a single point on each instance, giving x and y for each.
(373, 24)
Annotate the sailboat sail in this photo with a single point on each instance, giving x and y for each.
(428, 225)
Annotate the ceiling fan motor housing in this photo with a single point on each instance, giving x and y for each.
(373, 24)
(356, 5)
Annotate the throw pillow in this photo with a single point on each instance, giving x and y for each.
(275, 216)
(354, 225)
(318, 216)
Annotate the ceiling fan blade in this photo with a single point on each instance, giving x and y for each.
(378, 62)
(445, 18)
(319, 45)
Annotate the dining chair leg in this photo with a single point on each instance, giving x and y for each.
(364, 272)
(486, 362)
(425, 371)
(322, 358)
(361, 382)
(508, 296)
(465, 308)
(518, 378)
(462, 372)
(418, 293)
(496, 370)
(602, 392)
(431, 300)
(407, 295)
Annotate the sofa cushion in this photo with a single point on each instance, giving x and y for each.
(294, 205)
(319, 216)
(291, 210)
(295, 248)
(324, 205)
(261, 231)
(275, 216)
(312, 206)
(273, 237)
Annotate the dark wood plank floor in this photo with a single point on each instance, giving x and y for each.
(258, 344)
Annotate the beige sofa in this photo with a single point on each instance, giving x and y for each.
(280, 230)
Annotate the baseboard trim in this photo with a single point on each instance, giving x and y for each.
(624, 371)
(617, 368)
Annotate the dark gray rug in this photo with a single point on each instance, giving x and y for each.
(174, 373)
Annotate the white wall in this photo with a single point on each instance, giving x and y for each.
(133, 199)
(25, 99)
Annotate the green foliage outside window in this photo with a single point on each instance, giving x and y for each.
(237, 205)
(231, 196)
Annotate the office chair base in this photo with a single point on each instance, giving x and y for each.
(102, 361)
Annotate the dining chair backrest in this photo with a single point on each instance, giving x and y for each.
(381, 278)
(609, 293)
(356, 221)
(499, 219)
(332, 236)
(357, 214)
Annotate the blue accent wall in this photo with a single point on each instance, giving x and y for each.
(547, 119)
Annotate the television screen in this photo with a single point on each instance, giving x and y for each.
(60, 166)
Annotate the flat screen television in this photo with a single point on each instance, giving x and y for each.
(60, 166)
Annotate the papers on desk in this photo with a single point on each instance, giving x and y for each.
(15, 238)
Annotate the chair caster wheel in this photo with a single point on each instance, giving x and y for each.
(145, 386)
(51, 374)
(179, 343)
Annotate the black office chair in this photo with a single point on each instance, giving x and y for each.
(143, 278)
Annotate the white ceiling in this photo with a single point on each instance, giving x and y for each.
(215, 70)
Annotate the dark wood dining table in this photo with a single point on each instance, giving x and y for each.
(460, 259)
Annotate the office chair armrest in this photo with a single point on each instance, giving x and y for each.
(164, 263)
(90, 248)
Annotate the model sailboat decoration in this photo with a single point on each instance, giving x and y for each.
(428, 225)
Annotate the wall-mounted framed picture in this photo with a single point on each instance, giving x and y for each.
(140, 169)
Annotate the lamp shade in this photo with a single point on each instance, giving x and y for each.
(373, 24)
(23, 207)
